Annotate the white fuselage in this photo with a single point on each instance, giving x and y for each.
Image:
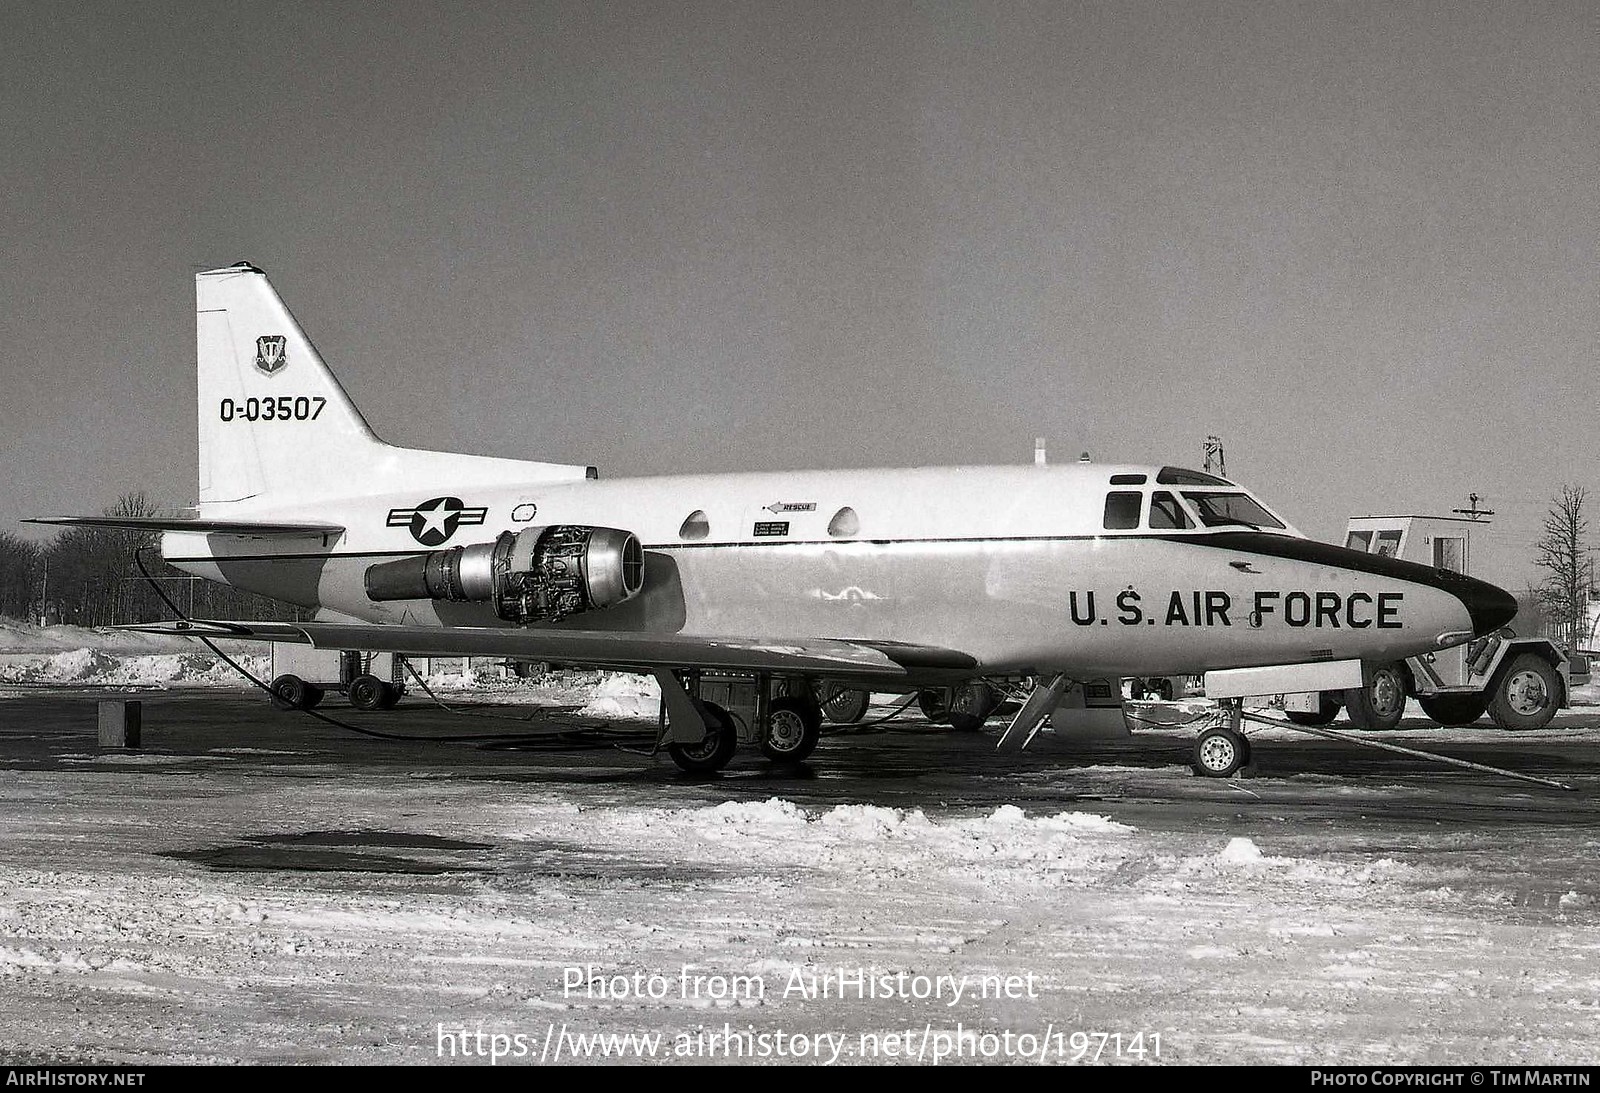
(1013, 565)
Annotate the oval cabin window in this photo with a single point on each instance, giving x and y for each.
(845, 524)
(695, 527)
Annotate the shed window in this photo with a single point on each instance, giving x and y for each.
(1122, 510)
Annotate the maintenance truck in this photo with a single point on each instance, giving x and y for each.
(1520, 682)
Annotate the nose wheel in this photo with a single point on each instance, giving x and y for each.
(1220, 752)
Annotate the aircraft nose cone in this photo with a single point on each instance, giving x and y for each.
(1490, 606)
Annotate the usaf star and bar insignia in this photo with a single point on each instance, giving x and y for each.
(433, 522)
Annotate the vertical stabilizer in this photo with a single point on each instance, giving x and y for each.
(274, 422)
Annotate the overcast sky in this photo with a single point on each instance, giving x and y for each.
(1358, 241)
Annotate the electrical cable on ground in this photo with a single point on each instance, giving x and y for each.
(582, 739)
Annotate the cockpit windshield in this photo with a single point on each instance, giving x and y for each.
(1222, 509)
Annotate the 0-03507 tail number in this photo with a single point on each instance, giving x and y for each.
(282, 408)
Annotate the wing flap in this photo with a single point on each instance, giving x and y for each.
(616, 649)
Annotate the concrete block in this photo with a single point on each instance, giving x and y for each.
(120, 723)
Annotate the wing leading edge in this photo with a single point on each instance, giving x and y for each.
(178, 523)
(614, 649)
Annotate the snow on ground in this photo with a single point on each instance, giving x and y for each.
(355, 917)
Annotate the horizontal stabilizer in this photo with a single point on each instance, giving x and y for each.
(616, 649)
(178, 523)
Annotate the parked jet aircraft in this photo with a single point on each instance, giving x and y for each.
(943, 577)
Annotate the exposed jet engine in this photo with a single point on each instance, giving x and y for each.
(534, 575)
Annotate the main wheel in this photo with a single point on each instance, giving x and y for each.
(293, 693)
(1219, 753)
(391, 697)
(1161, 687)
(1379, 704)
(1448, 709)
(366, 692)
(1328, 705)
(935, 705)
(711, 754)
(971, 704)
(843, 705)
(1528, 694)
(793, 727)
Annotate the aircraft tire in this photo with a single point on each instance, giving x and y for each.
(1219, 753)
(843, 705)
(391, 697)
(1379, 704)
(793, 728)
(970, 706)
(366, 692)
(1326, 711)
(1452, 710)
(712, 753)
(1527, 694)
(293, 693)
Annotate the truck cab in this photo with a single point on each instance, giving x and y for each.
(1519, 682)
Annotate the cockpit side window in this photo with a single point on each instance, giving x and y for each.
(1122, 510)
(1359, 540)
(1167, 513)
(1223, 509)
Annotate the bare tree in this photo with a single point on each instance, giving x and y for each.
(1563, 553)
(20, 563)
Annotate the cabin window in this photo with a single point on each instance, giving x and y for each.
(695, 527)
(1388, 544)
(1359, 540)
(1177, 476)
(1166, 512)
(845, 524)
(1223, 509)
(1122, 510)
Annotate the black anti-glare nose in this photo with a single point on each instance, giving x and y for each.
(1490, 606)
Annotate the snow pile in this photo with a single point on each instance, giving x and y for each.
(624, 696)
(95, 667)
(1005, 846)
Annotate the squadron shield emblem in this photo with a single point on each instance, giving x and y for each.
(271, 353)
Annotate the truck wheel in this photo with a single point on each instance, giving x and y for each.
(1328, 705)
(935, 705)
(843, 705)
(793, 727)
(1219, 753)
(971, 704)
(712, 753)
(366, 692)
(1379, 704)
(1448, 709)
(1527, 695)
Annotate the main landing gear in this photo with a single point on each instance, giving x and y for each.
(783, 718)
